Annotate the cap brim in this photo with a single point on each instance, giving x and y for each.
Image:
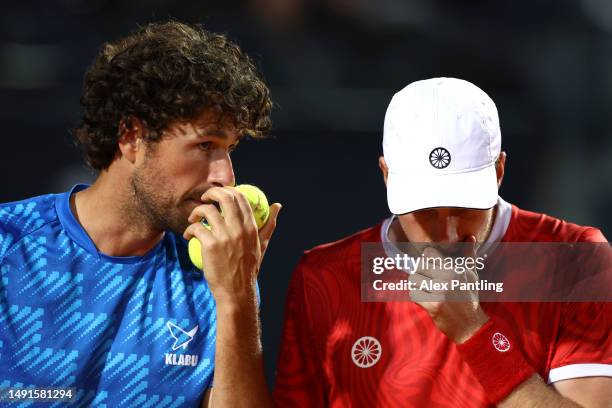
(475, 189)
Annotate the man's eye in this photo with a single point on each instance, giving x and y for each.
(205, 146)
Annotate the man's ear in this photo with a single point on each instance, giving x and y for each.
(500, 167)
(382, 164)
(131, 132)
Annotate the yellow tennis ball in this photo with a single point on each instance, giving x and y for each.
(195, 252)
(258, 201)
(261, 210)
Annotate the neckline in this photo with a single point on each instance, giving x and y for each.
(78, 234)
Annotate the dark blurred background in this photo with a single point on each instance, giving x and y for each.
(333, 65)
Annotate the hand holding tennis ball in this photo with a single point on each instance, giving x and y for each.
(261, 211)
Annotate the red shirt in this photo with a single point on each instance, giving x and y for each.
(410, 362)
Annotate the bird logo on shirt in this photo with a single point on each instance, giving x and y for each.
(181, 337)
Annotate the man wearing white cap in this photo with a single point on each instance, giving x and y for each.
(443, 166)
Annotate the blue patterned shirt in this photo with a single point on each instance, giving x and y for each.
(121, 331)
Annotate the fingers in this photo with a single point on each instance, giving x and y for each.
(432, 267)
(235, 218)
(210, 214)
(471, 274)
(430, 286)
(417, 280)
(248, 217)
(199, 231)
(236, 213)
(440, 290)
(265, 234)
(431, 252)
(424, 298)
(424, 293)
(227, 199)
(469, 249)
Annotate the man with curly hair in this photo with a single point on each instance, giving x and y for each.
(97, 293)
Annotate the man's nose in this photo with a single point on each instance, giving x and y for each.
(221, 171)
(448, 229)
(452, 235)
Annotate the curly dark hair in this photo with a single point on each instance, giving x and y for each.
(166, 72)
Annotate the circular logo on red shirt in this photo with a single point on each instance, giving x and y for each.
(366, 352)
(500, 342)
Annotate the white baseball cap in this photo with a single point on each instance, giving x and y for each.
(441, 140)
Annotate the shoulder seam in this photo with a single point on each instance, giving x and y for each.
(26, 235)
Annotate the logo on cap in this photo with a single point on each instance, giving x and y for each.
(439, 158)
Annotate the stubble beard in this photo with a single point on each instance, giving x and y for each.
(153, 202)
